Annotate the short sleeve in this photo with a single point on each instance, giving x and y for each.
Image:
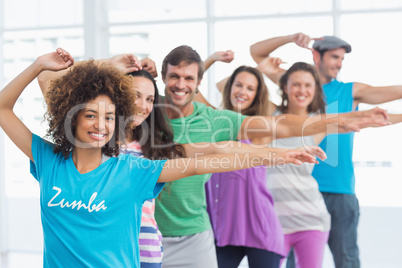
(146, 172)
(42, 153)
(227, 124)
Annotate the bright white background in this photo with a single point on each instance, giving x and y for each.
(101, 28)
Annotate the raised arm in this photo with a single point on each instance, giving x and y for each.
(149, 65)
(200, 98)
(9, 121)
(363, 93)
(126, 63)
(261, 51)
(271, 68)
(45, 77)
(223, 56)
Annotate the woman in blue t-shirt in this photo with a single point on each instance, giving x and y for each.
(91, 197)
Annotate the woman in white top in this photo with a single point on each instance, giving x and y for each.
(298, 202)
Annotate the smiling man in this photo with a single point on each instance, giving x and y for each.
(181, 212)
(335, 176)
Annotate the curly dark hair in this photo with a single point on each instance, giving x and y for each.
(155, 134)
(83, 83)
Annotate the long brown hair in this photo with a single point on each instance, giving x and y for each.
(318, 103)
(259, 106)
(155, 134)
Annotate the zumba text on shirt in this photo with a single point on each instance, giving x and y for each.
(76, 204)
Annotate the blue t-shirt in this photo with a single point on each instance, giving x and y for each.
(92, 219)
(336, 173)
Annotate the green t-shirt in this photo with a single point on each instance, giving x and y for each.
(181, 208)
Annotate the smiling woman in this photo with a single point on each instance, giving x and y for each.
(245, 92)
(96, 109)
(95, 123)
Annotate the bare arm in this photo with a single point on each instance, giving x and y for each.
(9, 122)
(231, 147)
(395, 118)
(45, 77)
(288, 125)
(184, 167)
(149, 65)
(363, 93)
(223, 56)
(271, 68)
(126, 63)
(200, 98)
(263, 49)
(372, 113)
(221, 84)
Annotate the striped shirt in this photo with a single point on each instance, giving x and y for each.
(298, 202)
(150, 238)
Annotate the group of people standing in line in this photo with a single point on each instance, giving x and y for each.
(114, 143)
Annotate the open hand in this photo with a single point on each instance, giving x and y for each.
(298, 157)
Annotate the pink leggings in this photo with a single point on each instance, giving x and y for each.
(308, 247)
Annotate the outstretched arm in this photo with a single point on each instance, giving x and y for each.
(363, 93)
(395, 118)
(231, 147)
(9, 121)
(184, 167)
(288, 125)
(372, 113)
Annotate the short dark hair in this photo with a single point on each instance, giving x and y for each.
(183, 53)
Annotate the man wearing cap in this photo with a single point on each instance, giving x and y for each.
(335, 177)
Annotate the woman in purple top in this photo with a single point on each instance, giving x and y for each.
(239, 204)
